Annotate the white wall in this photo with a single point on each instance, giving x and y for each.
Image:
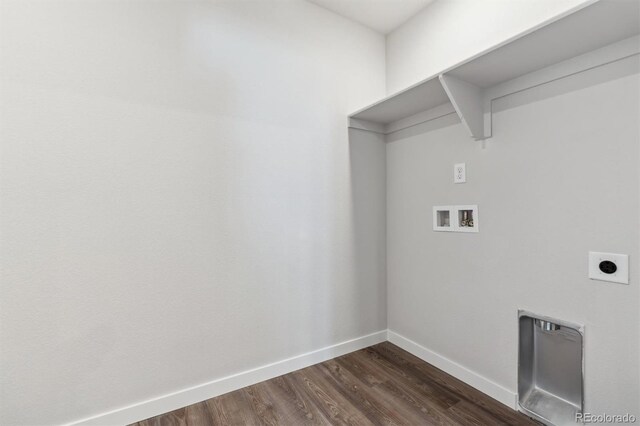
(179, 197)
(560, 177)
(450, 31)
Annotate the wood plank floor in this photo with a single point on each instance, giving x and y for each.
(379, 385)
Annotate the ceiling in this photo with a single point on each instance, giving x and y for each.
(381, 15)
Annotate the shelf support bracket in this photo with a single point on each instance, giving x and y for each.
(468, 101)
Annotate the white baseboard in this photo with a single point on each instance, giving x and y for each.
(471, 378)
(192, 395)
(184, 397)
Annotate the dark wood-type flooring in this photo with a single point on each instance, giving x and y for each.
(379, 385)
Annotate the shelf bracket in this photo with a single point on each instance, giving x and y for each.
(468, 101)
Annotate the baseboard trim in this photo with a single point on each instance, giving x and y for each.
(192, 395)
(471, 378)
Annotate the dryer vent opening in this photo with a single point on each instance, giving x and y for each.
(550, 369)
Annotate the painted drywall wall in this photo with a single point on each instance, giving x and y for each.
(179, 200)
(448, 32)
(559, 178)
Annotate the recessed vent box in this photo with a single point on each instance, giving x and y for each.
(550, 369)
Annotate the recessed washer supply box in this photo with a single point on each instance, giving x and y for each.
(462, 218)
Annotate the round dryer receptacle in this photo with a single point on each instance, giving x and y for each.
(608, 267)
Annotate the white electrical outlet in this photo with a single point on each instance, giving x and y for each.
(459, 173)
(609, 267)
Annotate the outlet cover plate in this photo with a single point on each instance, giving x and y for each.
(459, 173)
(621, 261)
